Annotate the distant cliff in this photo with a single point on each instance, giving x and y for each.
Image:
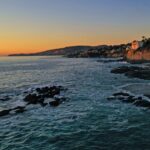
(61, 51)
(103, 51)
(108, 51)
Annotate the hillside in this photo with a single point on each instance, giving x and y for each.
(61, 51)
(104, 51)
(83, 51)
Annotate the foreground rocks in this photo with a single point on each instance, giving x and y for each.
(133, 71)
(5, 112)
(127, 98)
(49, 95)
(40, 94)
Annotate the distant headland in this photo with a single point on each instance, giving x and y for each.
(136, 51)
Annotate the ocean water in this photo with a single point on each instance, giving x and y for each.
(86, 121)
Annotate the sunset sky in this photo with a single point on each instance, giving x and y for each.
(35, 25)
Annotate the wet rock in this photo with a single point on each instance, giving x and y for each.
(39, 96)
(129, 99)
(60, 98)
(43, 104)
(55, 91)
(142, 103)
(121, 98)
(140, 98)
(49, 91)
(54, 103)
(31, 99)
(44, 93)
(121, 94)
(19, 107)
(133, 71)
(20, 110)
(120, 70)
(4, 112)
(43, 90)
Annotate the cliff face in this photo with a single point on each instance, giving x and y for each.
(142, 54)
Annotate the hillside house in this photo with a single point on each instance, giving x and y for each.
(136, 44)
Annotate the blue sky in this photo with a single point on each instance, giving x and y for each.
(72, 22)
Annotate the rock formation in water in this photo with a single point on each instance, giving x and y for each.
(133, 71)
(49, 95)
(139, 101)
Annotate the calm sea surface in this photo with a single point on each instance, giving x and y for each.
(87, 121)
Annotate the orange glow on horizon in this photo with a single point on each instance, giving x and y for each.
(31, 26)
(31, 38)
(29, 47)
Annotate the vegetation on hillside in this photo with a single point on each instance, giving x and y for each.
(146, 43)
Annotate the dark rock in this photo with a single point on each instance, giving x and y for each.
(133, 71)
(60, 98)
(54, 103)
(121, 97)
(55, 90)
(44, 93)
(38, 96)
(21, 110)
(129, 99)
(140, 98)
(42, 90)
(3, 99)
(4, 112)
(120, 70)
(142, 103)
(43, 104)
(49, 92)
(19, 107)
(121, 94)
(31, 99)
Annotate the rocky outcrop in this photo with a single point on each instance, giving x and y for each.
(138, 56)
(39, 96)
(141, 54)
(138, 101)
(5, 112)
(133, 71)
